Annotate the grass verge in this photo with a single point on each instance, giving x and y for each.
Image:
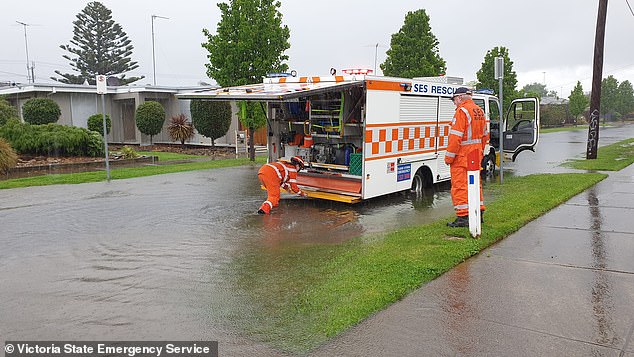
(563, 128)
(169, 156)
(297, 297)
(613, 157)
(125, 173)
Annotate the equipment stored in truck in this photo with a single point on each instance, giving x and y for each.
(365, 136)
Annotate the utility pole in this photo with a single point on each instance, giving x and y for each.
(498, 70)
(376, 52)
(29, 77)
(153, 56)
(597, 74)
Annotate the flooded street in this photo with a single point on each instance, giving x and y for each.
(176, 256)
(151, 258)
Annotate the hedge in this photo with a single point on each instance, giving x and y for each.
(52, 140)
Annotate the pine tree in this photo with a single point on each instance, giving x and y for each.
(414, 49)
(99, 46)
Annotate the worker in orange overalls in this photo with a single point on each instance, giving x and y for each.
(279, 174)
(468, 132)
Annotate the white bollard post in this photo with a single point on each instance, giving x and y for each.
(473, 192)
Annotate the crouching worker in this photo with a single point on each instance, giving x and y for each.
(276, 175)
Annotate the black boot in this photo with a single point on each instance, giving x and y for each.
(461, 221)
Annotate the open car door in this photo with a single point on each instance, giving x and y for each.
(521, 129)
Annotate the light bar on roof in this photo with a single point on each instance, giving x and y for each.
(357, 71)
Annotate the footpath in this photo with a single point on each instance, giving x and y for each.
(563, 285)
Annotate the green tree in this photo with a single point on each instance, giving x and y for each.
(609, 96)
(535, 90)
(7, 111)
(99, 46)
(95, 123)
(150, 117)
(625, 98)
(414, 49)
(578, 101)
(211, 118)
(486, 75)
(249, 43)
(41, 111)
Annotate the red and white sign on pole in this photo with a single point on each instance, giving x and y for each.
(473, 191)
(101, 84)
(102, 89)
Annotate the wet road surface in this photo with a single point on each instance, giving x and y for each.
(149, 258)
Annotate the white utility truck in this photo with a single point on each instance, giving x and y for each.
(365, 136)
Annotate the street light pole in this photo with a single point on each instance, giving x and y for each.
(26, 45)
(376, 52)
(153, 55)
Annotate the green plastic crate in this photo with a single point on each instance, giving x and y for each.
(356, 164)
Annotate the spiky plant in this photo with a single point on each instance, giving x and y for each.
(128, 152)
(180, 128)
(8, 157)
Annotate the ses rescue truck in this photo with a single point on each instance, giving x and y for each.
(365, 136)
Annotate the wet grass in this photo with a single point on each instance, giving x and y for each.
(563, 128)
(125, 173)
(169, 156)
(571, 128)
(298, 297)
(612, 157)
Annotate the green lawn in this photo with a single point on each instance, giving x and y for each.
(169, 156)
(296, 298)
(563, 128)
(612, 157)
(124, 173)
(573, 128)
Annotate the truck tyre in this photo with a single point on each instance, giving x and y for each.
(488, 165)
(421, 180)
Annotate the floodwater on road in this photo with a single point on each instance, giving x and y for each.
(151, 258)
(154, 258)
(555, 148)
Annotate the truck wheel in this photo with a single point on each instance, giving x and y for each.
(421, 180)
(488, 165)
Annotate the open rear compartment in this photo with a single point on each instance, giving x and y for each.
(326, 128)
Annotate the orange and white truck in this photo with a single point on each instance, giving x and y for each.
(366, 136)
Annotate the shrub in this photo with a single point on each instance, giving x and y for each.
(150, 117)
(128, 152)
(8, 157)
(211, 119)
(95, 123)
(180, 129)
(41, 111)
(52, 139)
(7, 112)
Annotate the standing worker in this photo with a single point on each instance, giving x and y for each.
(279, 174)
(468, 132)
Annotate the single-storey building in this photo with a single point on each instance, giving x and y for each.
(78, 102)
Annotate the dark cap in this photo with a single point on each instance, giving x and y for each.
(461, 90)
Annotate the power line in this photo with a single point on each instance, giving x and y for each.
(628, 5)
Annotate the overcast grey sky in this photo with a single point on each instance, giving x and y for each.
(549, 41)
